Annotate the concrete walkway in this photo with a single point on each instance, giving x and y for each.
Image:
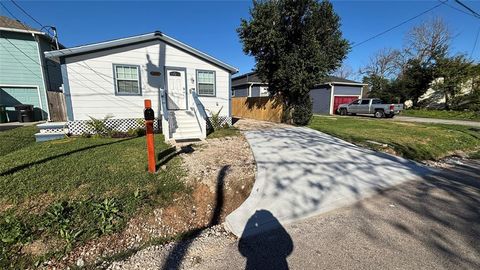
(12, 125)
(302, 172)
(436, 121)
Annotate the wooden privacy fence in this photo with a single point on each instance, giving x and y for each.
(259, 108)
(56, 105)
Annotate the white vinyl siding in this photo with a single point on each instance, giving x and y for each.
(91, 82)
(127, 79)
(206, 82)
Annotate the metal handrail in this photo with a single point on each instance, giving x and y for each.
(165, 115)
(200, 113)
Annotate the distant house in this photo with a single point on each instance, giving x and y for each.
(25, 73)
(113, 78)
(325, 97)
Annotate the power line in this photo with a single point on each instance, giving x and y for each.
(398, 25)
(475, 43)
(457, 9)
(24, 11)
(468, 8)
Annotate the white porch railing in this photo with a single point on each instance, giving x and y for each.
(200, 113)
(165, 115)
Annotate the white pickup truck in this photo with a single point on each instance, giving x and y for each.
(373, 106)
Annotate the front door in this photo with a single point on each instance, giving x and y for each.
(176, 89)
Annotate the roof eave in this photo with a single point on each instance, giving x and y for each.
(347, 83)
(21, 31)
(135, 39)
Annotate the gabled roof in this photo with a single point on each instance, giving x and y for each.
(246, 78)
(9, 24)
(157, 35)
(338, 80)
(252, 77)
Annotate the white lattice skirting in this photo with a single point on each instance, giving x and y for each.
(79, 127)
(223, 120)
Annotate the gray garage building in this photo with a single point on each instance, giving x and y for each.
(325, 97)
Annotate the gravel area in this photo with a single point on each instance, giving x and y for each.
(185, 254)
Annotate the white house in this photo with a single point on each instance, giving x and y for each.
(115, 77)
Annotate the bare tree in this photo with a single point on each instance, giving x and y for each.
(344, 71)
(429, 40)
(386, 63)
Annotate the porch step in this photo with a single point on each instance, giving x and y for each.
(186, 135)
(51, 131)
(52, 125)
(185, 129)
(43, 137)
(186, 125)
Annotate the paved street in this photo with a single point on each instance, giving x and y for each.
(428, 224)
(436, 121)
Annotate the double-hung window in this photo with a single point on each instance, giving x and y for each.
(206, 82)
(127, 80)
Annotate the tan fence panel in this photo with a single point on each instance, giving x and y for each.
(56, 105)
(259, 108)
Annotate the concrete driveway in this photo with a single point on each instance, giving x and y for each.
(302, 172)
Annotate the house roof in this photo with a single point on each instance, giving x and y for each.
(252, 77)
(246, 78)
(157, 35)
(9, 24)
(338, 80)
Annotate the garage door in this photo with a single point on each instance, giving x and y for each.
(11, 96)
(342, 100)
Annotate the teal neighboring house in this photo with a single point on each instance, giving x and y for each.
(25, 74)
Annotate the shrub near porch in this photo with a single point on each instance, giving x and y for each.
(411, 140)
(57, 194)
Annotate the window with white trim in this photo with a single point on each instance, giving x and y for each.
(206, 82)
(127, 79)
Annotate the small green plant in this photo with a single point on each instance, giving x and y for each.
(107, 212)
(215, 119)
(99, 126)
(136, 132)
(12, 233)
(59, 218)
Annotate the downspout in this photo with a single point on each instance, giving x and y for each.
(249, 94)
(42, 72)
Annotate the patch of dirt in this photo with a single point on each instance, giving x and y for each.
(250, 124)
(220, 175)
(36, 248)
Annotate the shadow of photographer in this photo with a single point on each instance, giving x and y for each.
(268, 248)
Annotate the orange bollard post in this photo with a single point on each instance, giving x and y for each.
(149, 118)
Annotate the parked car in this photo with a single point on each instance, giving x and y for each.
(373, 106)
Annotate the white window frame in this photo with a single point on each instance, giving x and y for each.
(214, 83)
(138, 80)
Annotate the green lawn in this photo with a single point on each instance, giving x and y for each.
(411, 140)
(14, 139)
(442, 114)
(65, 192)
(224, 132)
